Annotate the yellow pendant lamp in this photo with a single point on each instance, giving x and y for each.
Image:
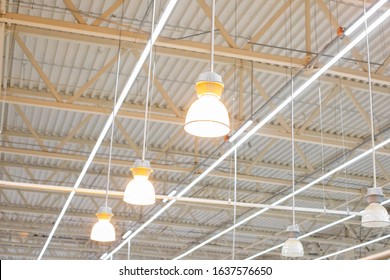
(207, 116)
(375, 215)
(140, 190)
(103, 230)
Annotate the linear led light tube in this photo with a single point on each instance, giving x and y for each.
(103, 256)
(247, 124)
(172, 193)
(123, 237)
(369, 13)
(107, 126)
(315, 231)
(354, 247)
(248, 135)
(366, 153)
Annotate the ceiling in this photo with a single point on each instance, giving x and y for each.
(58, 74)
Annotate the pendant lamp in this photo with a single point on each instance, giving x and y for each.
(292, 248)
(207, 116)
(375, 215)
(140, 190)
(103, 230)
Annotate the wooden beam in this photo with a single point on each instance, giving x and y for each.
(269, 130)
(75, 12)
(160, 89)
(107, 13)
(256, 37)
(93, 79)
(72, 133)
(362, 112)
(30, 127)
(308, 28)
(355, 53)
(316, 111)
(225, 34)
(37, 68)
(128, 138)
(192, 50)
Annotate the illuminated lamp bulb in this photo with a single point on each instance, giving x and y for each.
(207, 116)
(140, 190)
(103, 230)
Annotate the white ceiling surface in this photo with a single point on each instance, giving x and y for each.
(30, 153)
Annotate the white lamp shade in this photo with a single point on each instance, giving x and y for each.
(140, 191)
(207, 117)
(103, 231)
(292, 248)
(375, 215)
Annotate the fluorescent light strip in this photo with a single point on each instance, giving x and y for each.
(124, 237)
(284, 199)
(354, 247)
(369, 13)
(248, 135)
(314, 232)
(247, 124)
(172, 193)
(106, 127)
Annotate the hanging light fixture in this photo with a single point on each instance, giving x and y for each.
(292, 248)
(207, 116)
(103, 230)
(375, 215)
(140, 190)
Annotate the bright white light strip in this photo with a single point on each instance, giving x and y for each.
(366, 153)
(246, 137)
(314, 232)
(172, 193)
(247, 124)
(354, 247)
(106, 127)
(123, 237)
(369, 13)
(103, 256)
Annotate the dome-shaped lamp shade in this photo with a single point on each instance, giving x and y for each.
(292, 248)
(103, 230)
(375, 215)
(207, 117)
(140, 191)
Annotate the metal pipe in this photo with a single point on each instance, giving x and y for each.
(119, 194)
(385, 255)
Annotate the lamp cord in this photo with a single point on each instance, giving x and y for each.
(322, 145)
(115, 97)
(293, 150)
(148, 86)
(371, 98)
(235, 203)
(212, 36)
(292, 124)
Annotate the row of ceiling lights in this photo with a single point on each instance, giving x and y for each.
(208, 117)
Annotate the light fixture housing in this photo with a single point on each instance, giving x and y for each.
(375, 215)
(103, 230)
(292, 247)
(140, 190)
(207, 116)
